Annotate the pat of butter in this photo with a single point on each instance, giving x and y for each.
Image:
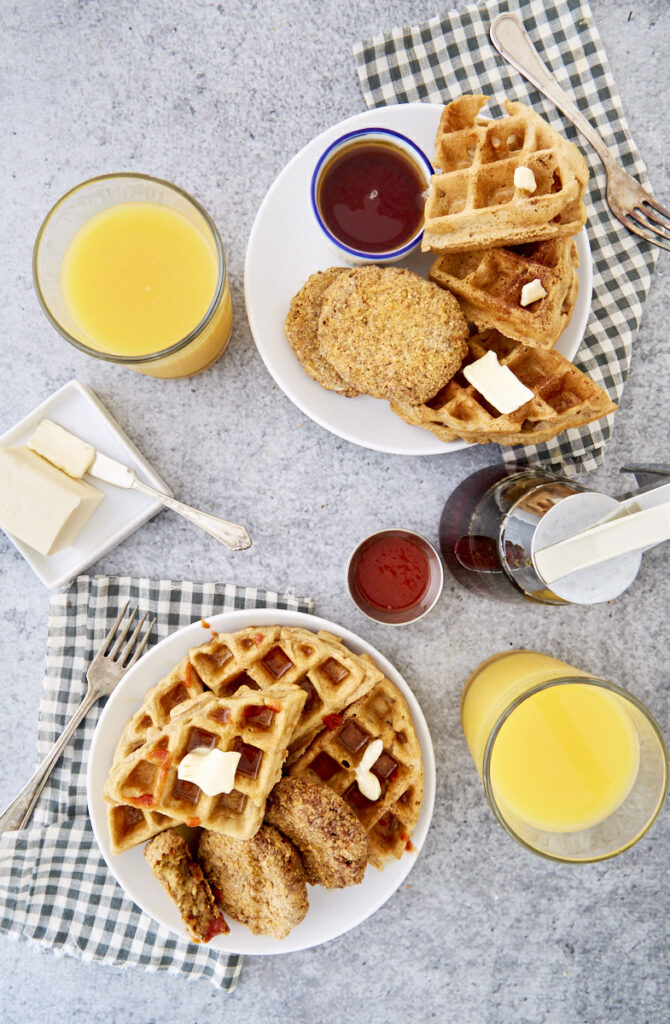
(532, 291)
(368, 783)
(524, 179)
(212, 770)
(39, 504)
(497, 384)
(63, 449)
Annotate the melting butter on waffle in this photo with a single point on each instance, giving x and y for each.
(563, 397)
(473, 202)
(335, 754)
(257, 725)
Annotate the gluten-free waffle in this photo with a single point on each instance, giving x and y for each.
(335, 754)
(317, 664)
(489, 284)
(563, 397)
(257, 725)
(130, 825)
(473, 202)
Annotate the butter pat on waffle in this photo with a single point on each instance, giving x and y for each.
(255, 725)
(563, 397)
(489, 283)
(473, 202)
(317, 664)
(336, 753)
(130, 825)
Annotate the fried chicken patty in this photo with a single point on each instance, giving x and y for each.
(301, 329)
(171, 862)
(332, 842)
(392, 334)
(258, 881)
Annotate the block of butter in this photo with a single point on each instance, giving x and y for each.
(41, 505)
(65, 450)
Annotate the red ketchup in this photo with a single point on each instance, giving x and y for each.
(392, 573)
(371, 197)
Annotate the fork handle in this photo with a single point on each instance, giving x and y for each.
(513, 42)
(19, 812)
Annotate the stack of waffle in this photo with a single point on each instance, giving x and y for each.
(494, 237)
(291, 703)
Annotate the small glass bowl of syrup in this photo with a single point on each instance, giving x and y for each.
(368, 195)
(395, 577)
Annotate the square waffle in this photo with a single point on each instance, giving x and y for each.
(130, 825)
(488, 284)
(335, 754)
(563, 397)
(258, 725)
(473, 202)
(319, 664)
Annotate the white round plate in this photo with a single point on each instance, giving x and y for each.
(286, 245)
(331, 912)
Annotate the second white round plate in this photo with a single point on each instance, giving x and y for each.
(331, 912)
(286, 246)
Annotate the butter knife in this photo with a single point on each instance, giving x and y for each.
(112, 472)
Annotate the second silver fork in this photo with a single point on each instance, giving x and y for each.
(108, 667)
(630, 203)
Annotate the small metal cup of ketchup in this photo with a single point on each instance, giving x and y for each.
(368, 195)
(395, 577)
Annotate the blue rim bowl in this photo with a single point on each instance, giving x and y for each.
(420, 159)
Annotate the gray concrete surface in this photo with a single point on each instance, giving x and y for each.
(218, 97)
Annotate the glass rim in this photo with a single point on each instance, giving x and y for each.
(567, 680)
(151, 357)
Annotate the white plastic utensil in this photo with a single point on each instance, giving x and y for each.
(636, 531)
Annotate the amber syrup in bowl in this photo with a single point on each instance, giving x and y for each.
(395, 577)
(368, 194)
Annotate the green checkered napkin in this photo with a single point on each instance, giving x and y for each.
(55, 888)
(452, 54)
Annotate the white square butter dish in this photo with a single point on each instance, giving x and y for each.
(121, 512)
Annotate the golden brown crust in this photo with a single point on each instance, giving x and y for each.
(332, 842)
(259, 882)
(391, 333)
(301, 328)
(172, 864)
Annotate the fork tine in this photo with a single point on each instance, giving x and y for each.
(657, 206)
(143, 642)
(634, 227)
(115, 649)
(108, 639)
(131, 641)
(635, 214)
(648, 211)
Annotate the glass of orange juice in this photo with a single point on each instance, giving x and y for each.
(131, 269)
(574, 767)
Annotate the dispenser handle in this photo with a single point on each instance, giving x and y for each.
(633, 532)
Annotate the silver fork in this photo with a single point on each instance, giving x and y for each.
(104, 673)
(629, 202)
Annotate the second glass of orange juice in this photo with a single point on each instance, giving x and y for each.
(574, 768)
(131, 269)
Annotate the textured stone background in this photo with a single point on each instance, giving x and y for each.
(217, 97)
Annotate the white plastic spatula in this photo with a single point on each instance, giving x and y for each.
(635, 531)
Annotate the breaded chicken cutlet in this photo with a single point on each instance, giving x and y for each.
(301, 328)
(391, 334)
(181, 876)
(333, 844)
(258, 881)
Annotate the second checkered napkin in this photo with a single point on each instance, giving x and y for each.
(55, 888)
(452, 54)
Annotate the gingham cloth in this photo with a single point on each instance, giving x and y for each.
(55, 888)
(452, 54)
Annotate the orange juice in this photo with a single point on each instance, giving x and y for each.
(565, 758)
(139, 277)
